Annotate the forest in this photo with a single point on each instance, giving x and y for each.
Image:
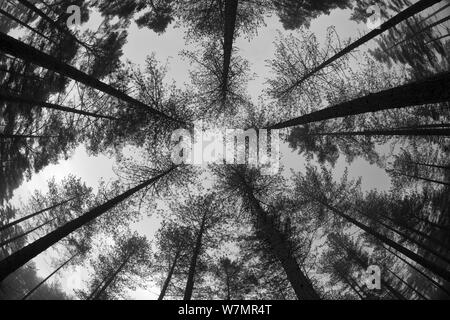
(335, 98)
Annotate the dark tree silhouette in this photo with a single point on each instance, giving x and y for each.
(204, 215)
(320, 183)
(16, 260)
(245, 182)
(173, 247)
(127, 263)
(30, 54)
(431, 90)
(405, 14)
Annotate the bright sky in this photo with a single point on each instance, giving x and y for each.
(142, 42)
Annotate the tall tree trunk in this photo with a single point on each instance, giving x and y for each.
(54, 24)
(434, 282)
(113, 276)
(6, 242)
(436, 12)
(422, 178)
(409, 238)
(394, 132)
(394, 292)
(192, 267)
(300, 283)
(442, 272)
(428, 126)
(42, 104)
(447, 167)
(417, 232)
(360, 289)
(23, 24)
(438, 38)
(400, 17)
(351, 283)
(25, 52)
(229, 29)
(407, 284)
(4, 136)
(19, 258)
(419, 32)
(9, 225)
(431, 90)
(353, 255)
(51, 275)
(227, 275)
(100, 284)
(169, 276)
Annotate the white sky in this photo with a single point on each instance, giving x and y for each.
(142, 42)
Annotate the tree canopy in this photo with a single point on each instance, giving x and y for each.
(287, 205)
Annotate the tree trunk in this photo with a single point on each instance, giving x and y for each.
(19, 258)
(9, 225)
(51, 275)
(113, 277)
(229, 28)
(409, 238)
(6, 242)
(438, 38)
(419, 32)
(428, 126)
(431, 90)
(400, 17)
(100, 284)
(436, 12)
(54, 24)
(30, 103)
(300, 283)
(227, 274)
(417, 232)
(407, 284)
(25, 52)
(435, 283)
(23, 24)
(442, 272)
(422, 178)
(191, 275)
(169, 276)
(4, 136)
(367, 296)
(352, 285)
(447, 167)
(394, 292)
(351, 254)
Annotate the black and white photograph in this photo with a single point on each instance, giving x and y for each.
(225, 156)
